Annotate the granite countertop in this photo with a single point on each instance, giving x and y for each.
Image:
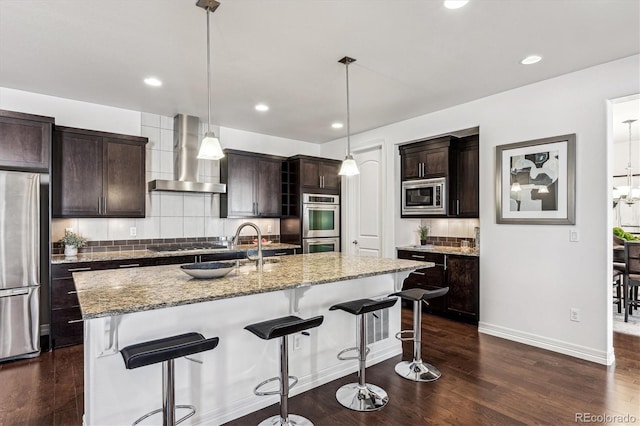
(141, 254)
(114, 292)
(442, 250)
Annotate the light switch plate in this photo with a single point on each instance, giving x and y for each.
(574, 236)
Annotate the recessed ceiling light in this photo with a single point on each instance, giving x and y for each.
(531, 59)
(337, 125)
(455, 4)
(262, 107)
(152, 81)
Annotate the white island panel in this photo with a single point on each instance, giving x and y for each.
(222, 387)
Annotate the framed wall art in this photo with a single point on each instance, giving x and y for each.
(536, 182)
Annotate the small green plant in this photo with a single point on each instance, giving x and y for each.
(620, 233)
(74, 240)
(423, 230)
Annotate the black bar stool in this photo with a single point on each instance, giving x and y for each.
(362, 396)
(283, 327)
(417, 370)
(166, 350)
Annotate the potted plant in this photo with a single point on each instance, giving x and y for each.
(72, 242)
(423, 231)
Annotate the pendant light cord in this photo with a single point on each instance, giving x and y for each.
(208, 75)
(348, 112)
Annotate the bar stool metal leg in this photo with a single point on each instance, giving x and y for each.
(168, 409)
(362, 396)
(417, 370)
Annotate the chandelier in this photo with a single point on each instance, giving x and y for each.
(627, 193)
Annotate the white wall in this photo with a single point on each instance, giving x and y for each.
(168, 215)
(531, 275)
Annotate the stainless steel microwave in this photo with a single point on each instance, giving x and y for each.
(424, 197)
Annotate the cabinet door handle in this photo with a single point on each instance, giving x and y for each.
(419, 273)
(130, 265)
(445, 262)
(457, 207)
(72, 292)
(74, 321)
(99, 205)
(79, 269)
(416, 256)
(320, 181)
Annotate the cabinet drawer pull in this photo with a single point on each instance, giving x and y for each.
(130, 265)
(416, 256)
(419, 273)
(72, 292)
(282, 253)
(74, 321)
(79, 269)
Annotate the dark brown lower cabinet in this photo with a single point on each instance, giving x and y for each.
(459, 273)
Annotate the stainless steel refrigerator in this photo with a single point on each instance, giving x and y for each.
(20, 266)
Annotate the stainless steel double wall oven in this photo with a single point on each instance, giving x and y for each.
(320, 223)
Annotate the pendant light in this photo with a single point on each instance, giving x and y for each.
(349, 166)
(627, 193)
(210, 148)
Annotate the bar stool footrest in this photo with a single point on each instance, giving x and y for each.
(400, 333)
(347, 358)
(192, 412)
(258, 392)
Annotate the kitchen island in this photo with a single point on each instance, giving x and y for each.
(123, 307)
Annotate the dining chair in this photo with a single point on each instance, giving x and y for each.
(631, 280)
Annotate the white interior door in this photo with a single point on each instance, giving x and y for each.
(364, 213)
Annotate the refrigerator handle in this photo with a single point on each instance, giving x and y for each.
(17, 292)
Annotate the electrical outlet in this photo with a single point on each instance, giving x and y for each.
(296, 341)
(269, 230)
(133, 231)
(574, 314)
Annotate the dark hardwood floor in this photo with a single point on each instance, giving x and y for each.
(485, 380)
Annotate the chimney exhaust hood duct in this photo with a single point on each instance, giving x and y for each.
(185, 161)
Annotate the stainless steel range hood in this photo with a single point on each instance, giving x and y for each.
(185, 161)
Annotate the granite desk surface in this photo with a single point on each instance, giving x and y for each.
(121, 291)
(141, 254)
(442, 250)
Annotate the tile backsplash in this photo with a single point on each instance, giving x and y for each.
(442, 232)
(168, 215)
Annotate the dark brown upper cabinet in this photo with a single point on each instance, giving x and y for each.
(98, 174)
(317, 175)
(425, 159)
(451, 157)
(25, 141)
(253, 184)
(464, 183)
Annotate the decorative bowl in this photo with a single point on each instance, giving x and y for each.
(208, 269)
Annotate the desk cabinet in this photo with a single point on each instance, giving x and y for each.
(459, 273)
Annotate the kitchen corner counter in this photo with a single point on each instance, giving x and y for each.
(146, 254)
(115, 292)
(442, 250)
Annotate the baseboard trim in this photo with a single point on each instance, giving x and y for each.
(576, 351)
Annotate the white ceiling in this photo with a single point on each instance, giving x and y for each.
(413, 56)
